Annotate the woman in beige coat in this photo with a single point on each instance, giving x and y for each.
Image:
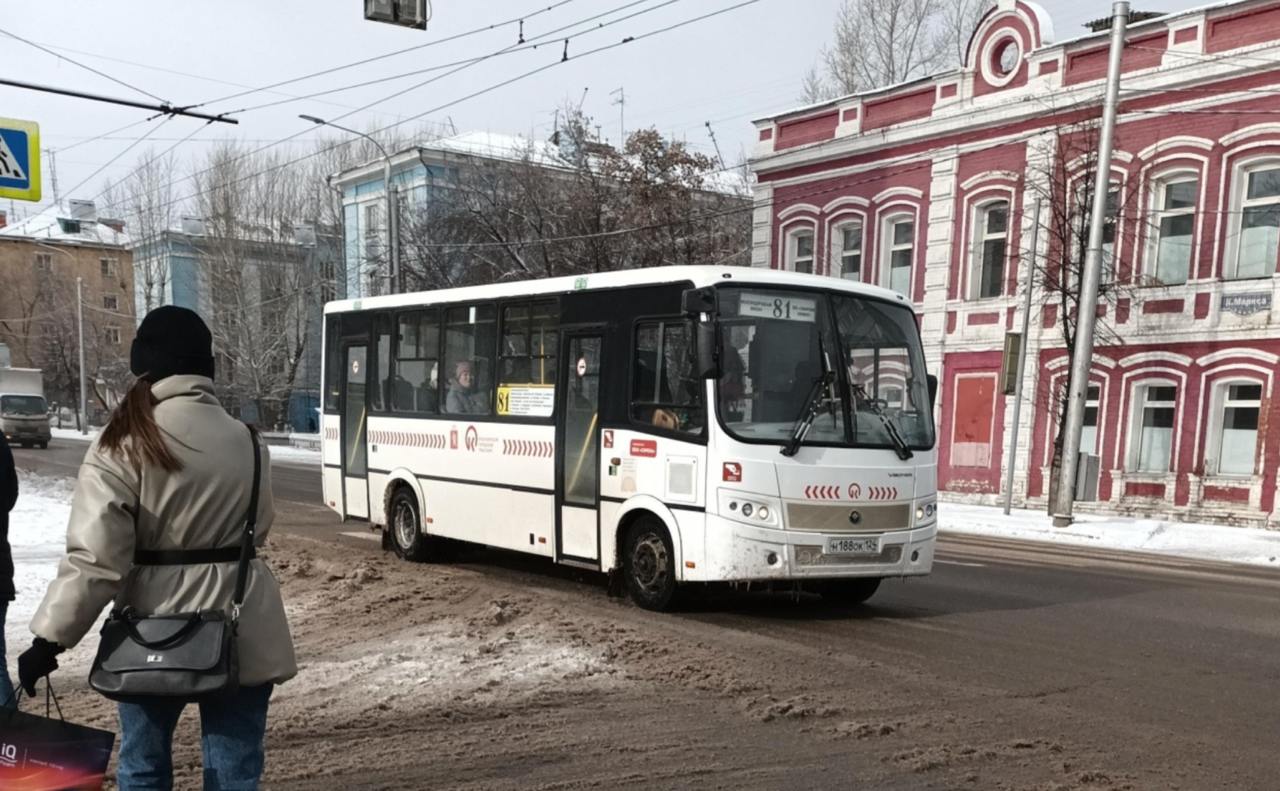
(171, 471)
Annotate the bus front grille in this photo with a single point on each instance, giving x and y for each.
(827, 518)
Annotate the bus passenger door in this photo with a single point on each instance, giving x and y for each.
(355, 414)
(578, 450)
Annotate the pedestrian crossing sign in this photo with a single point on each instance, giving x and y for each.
(19, 159)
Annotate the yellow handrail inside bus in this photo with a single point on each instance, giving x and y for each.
(582, 454)
(359, 433)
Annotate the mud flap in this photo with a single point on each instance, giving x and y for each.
(615, 586)
(386, 540)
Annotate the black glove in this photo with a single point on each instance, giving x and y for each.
(37, 662)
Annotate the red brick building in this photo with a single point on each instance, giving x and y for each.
(927, 187)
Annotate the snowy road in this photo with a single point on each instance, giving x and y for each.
(1014, 666)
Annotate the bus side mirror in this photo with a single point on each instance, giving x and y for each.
(696, 301)
(933, 390)
(708, 352)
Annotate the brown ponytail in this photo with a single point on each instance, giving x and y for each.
(133, 434)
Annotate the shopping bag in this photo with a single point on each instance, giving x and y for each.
(46, 754)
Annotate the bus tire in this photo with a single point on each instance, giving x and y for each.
(649, 565)
(404, 523)
(850, 591)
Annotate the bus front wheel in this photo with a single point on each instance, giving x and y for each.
(850, 591)
(405, 525)
(649, 565)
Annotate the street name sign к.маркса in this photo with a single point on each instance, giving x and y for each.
(19, 159)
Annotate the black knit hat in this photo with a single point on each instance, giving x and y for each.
(171, 341)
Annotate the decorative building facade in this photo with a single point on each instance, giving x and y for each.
(930, 188)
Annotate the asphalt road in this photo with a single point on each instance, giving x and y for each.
(1169, 667)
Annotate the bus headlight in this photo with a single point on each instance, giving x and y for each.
(762, 512)
(925, 513)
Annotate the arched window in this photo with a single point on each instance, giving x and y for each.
(1259, 228)
(800, 250)
(1155, 405)
(898, 252)
(846, 250)
(1173, 221)
(1234, 433)
(990, 245)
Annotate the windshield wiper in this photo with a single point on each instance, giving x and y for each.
(812, 405)
(891, 428)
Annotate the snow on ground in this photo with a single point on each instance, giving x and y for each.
(74, 433)
(291, 454)
(38, 536)
(1184, 539)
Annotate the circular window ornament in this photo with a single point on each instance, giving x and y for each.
(1001, 59)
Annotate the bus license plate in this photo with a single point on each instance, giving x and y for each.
(853, 546)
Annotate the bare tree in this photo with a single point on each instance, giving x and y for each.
(145, 199)
(576, 207)
(1065, 182)
(885, 42)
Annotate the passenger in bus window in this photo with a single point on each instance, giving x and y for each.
(463, 397)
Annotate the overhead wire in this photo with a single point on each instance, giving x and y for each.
(474, 94)
(384, 56)
(98, 72)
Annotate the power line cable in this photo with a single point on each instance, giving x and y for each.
(364, 61)
(112, 161)
(446, 105)
(43, 48)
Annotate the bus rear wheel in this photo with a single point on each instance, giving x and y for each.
(850, 591)
(649, 566)
(405, 525)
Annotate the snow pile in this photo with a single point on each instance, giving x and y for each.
(1184, 539)
(74, 433)
(294, 455)
(38, 536)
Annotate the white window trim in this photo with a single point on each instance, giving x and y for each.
(1137, 406)
(1240, 187)
(1218, 405)
(835, 237)
(1100, 429)
(978, 240)
(887, 247)
(1159, 187)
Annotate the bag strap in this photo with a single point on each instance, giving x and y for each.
(250, 528)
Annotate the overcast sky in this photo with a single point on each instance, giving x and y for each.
(726, 70)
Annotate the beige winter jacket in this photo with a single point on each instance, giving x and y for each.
(201, 506)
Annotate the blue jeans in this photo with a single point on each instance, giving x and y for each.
(232, 733)
(6, 683)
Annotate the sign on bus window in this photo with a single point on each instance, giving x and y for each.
(527, 360)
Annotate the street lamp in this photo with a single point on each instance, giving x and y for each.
(393, 220)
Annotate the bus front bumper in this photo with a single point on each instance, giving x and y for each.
(739, 553)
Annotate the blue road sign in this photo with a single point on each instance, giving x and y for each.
(19, 159)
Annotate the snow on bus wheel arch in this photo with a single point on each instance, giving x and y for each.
(394, 480)
(638, 507)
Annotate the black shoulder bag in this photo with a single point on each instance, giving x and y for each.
(185, 656)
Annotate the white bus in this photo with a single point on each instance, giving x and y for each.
(672, 425)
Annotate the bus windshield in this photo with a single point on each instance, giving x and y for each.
(778, 345)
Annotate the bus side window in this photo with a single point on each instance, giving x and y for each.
(470, 343)
(379, 392)
(332, 364)
(527, 357)
(665, 393)
(412, 385)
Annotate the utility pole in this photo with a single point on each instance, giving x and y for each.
(715, 143)
(1087, 307)
(393, 215)
(53, 172)
(1022, 357)
(84, 398)
(621, 101)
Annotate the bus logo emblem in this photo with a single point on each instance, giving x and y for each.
(854, 517)
(473, 438)
(855, 491)
(732, 472)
